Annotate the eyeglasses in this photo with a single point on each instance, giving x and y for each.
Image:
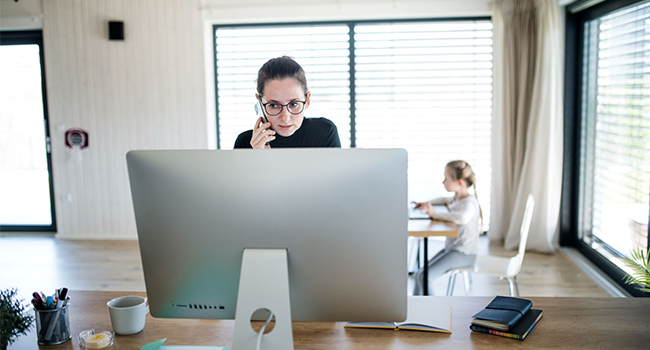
(273, 109)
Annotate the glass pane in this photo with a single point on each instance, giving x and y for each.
(24, 178)
(322, 50)
(615, 150)
(427, 87)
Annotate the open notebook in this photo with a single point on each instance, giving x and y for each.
(423, 315)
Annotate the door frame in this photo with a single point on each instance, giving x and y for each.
(27, 37)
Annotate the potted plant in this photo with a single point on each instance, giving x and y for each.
(639, 261)
(13, 319)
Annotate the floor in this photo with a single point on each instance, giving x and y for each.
(41, 263)
(541, 275)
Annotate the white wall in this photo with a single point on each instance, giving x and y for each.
(146, 92)
(150, 91)
(22, 15)
(259, 11)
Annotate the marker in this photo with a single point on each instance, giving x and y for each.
(37, 297)
(36, 304)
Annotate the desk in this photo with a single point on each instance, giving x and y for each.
(568, 323)
(426, 228)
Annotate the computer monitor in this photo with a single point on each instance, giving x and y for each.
(338, 214)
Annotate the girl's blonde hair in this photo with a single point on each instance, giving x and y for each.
(461, 170)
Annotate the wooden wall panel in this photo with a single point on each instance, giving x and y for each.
(146, 92)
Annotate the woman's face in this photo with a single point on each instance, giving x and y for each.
(281, 92)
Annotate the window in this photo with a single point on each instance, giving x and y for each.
(425, 86)
(322, 50)
(613, 202)
(616, 130)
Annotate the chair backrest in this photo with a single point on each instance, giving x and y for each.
(523, 233)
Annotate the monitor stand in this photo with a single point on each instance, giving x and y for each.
(263, 284)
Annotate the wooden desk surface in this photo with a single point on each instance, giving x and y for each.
(428, 228)
(568, 323)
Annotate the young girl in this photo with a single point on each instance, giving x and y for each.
(465, 212)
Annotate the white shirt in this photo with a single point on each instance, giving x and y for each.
(465, 213)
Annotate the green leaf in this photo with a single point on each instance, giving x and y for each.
(639, 262)
(13, 319)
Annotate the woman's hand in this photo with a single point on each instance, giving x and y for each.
(262, 135)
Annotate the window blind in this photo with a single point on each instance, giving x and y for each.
(427, 87)
(323, 52)
(615, 149)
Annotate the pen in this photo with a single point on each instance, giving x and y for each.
(36, 304)
(38, 298)
(58, 302)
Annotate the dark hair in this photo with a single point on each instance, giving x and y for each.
(280, 68)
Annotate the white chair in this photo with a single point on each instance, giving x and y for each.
(452, 279)
(504, 268)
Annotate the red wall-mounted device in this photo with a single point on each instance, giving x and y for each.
(76, 137)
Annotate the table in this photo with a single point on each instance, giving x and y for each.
(426, 228)
(568, 323)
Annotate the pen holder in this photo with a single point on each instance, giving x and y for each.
(53, 326)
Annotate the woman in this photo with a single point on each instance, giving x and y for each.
(283, 95)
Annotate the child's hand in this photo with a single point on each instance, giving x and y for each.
(425, 207)
(428, 208)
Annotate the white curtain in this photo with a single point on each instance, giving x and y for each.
(527, 120)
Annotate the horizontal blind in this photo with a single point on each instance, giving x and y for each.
(620, 165)
(427, 87)
(322, 51)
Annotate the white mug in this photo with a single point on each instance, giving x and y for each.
(128, 314)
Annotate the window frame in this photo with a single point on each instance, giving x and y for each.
(571, 185)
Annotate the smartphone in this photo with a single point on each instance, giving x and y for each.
(259, 111)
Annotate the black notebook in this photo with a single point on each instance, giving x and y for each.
(519, 330)
(502, 313)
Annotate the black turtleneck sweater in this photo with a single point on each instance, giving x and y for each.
(314, 132)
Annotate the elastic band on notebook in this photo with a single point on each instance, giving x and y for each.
(500, 308)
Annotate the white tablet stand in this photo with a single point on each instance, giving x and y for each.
(263, 284)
